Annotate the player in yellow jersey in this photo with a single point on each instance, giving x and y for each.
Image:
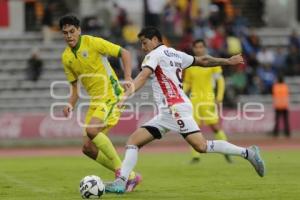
(85, 61)
(199, 83)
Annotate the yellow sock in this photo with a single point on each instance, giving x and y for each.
(220, 135)
(104, 161)
(195, 154)
(104, 144)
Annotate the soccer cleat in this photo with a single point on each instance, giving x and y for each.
(255, 159)
(118, 186)
(132, 183)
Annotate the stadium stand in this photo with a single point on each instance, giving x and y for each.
(18, 94)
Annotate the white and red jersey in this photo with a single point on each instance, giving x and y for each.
(167, 65)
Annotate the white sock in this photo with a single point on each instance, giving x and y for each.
(129, 162)
(224, 147)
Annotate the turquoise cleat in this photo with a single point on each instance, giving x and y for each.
(255, 159)
(118, 186)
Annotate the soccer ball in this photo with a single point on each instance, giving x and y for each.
(91, 187)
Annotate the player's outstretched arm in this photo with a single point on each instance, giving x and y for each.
(137, 83)
(209, 61)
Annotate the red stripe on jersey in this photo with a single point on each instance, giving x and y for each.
(168, 87)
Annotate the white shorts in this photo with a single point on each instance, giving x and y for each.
(177, 118)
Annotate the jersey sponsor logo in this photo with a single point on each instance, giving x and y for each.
(171, 54)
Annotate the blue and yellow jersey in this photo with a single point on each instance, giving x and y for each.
(200, 82)
(88, 63)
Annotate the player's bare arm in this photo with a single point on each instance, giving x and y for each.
(72, 101)
(209, 61)
(138, 83)
(127, 63)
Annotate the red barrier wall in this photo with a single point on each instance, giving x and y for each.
(28, 125)
(4, 14)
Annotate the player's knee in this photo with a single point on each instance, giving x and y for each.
(87, 149)
(92, 131)
(201, 147)
(131, 142)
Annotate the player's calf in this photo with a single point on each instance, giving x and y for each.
(89, 150)
(197, 141)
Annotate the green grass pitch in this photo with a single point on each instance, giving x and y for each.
(166, 176)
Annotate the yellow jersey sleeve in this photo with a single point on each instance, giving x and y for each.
(70, 75)
(105, 47)
(217, 69)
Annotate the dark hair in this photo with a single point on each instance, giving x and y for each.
(199, 41)
(150, 32)
(69, 19)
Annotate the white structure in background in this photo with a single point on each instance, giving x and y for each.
(16, 18)
(281, 13)
(286, 9)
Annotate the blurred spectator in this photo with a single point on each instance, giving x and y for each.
(234, 45)
(34, 66)
(189, 12)
(130, 32)
(201, 28)
(172, 20)
(294, 39)
(281, 104)
(279, 62)
(240, 23)
(293, 61)
(238, 80)
(186, 41)
(255, 85)
(47, 23)
(268, 77)
(214, 18)
(265, 56)
(152, 10)
(252, 61)
(217, 42)
(119, 20)
(91, 25)
(248, 49)
(253, 40)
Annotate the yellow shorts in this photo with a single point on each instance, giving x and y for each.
(206, 112)
(108, 113)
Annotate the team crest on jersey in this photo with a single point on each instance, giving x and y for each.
(84, 54)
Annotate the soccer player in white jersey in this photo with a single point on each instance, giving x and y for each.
(164, 66)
